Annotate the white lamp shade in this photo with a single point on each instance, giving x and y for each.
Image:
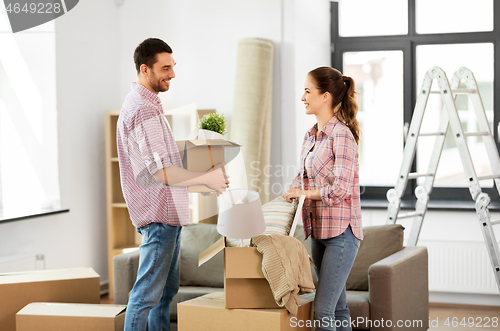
(240, 214)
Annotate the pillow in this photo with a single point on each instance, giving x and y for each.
(195, 238)
(379, 242)
(278, 215)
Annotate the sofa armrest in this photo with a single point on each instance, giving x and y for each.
(125, 272)
(399, 290)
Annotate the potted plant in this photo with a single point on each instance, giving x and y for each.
(212, 126)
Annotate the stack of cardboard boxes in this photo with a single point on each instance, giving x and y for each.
(247, 302)
(27, 302)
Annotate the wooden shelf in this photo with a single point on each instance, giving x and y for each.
(121, 234)
(121, 250)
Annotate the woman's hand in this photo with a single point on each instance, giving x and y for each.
(293, 194)
(296, 193)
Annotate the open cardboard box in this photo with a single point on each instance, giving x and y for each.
(201, 155)
(210, 315)
(44, 316)
(75, 285)
(245, 286)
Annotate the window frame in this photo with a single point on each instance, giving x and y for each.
(447, 198)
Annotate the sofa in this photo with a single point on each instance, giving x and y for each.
(388, 282)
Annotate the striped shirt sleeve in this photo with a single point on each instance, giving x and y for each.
(151, 140)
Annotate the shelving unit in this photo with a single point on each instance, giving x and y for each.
(121, 234)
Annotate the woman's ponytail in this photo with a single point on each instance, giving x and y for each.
(349, 108)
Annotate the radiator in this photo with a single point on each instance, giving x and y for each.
(21, 262)
(460, 267)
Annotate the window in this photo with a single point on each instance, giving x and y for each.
(29, 181)
(386, 22)
(379, 80)
(388, 57)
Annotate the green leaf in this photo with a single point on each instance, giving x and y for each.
(214, 122)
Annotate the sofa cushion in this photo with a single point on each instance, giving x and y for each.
(379, 242)
(359, 308)
(195, 238)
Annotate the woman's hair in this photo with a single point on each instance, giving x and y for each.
(341, 88)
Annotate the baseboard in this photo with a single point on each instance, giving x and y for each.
(465, 298)
(104, 287)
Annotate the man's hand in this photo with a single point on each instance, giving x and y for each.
(217, 179)
(293, 194)
(177, 176)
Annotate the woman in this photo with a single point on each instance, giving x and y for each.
(329, 179)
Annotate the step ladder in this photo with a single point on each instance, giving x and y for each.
(449, 119)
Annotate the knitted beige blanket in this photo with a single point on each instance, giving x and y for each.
(285, 264)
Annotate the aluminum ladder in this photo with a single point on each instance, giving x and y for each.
(449, 118)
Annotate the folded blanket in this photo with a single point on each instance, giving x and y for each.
(285, 264)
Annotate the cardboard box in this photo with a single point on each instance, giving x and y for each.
(208, 313)
(244, 283)
(43, 316)
(76, 285)
(200, 155)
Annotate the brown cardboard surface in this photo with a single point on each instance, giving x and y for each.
(43, 316)
(208, 313)
(200, 155)
(76, 285)
(244, 283)
(248, 293)
(243, 262)
(211, 251)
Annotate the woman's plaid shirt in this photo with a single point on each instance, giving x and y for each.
(332, 167)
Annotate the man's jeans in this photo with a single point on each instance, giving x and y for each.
(333, 258)
(157, 278)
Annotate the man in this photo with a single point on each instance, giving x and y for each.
(154, 186)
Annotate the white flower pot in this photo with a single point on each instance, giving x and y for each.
(207, 134)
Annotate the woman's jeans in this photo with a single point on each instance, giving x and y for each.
(333, 258)
(157, 278)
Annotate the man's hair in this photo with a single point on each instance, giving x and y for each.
(146, 52)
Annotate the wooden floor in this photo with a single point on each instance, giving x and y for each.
(461, 318)
(448, 317)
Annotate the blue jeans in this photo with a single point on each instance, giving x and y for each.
(157, 278)
(333, 258)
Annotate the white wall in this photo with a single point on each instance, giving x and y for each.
(87, 85)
